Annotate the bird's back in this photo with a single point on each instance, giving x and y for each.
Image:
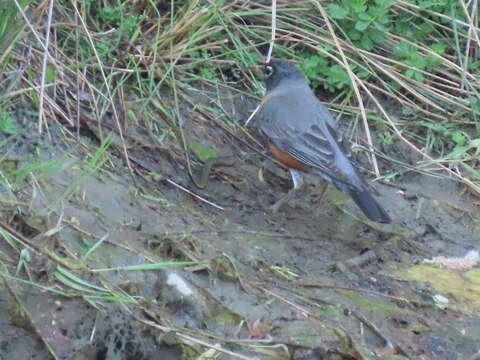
(298, 123)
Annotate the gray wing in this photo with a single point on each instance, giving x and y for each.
(306, 130)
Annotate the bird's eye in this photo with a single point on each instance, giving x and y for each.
(268, 71)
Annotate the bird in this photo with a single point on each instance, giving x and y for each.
(303, 135)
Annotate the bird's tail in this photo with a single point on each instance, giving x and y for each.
(366, 202)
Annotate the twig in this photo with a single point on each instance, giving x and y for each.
(41, 120)
(30, 26)
(29, 89)
(230, 231)
(194, 195)
(286, 301)
(353, 80)
(274, 28)
(188, 338)
(269, 54)
(388, 343)
(399, 133)
(371, 292)
(253, 114)
(34, 245)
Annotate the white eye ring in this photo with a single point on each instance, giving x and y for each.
(268, 71)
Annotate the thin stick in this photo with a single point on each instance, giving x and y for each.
(29, 24)
(389, 344)
(288, 302)
(26, 90)
(194, 195)
(274, 28)
(253, 114)
(41, 120)
(353, 79)
(116, 115)
(186, 337)
(399, 133)
(471, 34)
(270, 50)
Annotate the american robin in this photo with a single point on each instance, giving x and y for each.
(303, 135)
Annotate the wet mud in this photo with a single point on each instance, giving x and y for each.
(317, 277)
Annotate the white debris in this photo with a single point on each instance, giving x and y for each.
(181, 285)
(440, 301)
(456, 263)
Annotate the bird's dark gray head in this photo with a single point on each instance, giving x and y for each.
(279, 71)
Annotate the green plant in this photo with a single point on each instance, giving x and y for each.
(410, 55)
(10, 27)
(7, 123)
(335, 77)
(363, 21)
(447, 137)
(386, 138)
(447, 7)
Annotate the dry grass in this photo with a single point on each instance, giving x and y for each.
(130, 65)
(95, 58)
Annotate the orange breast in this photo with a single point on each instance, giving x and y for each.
(285, 158)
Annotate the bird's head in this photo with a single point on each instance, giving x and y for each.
(280, 71)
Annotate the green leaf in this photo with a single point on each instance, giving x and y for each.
(207, 73)
(7, 123)
(376, 36)
(363, 74)
(338, 77)
(252, 59)
(439, 48)
(409, 73)
(474, 102)
(362, 25)
(417, 61)
(457, 152)
(203, 152)
(426, 29)
(432, 62)
(418, 76)
(367, 42)
(474, 66)
(156, 266)
(379, 26)
(384, 19)
(50, 74)
(358, 7)
(426, 4)
(354, 35)
(458, 137)
(327, 47)
(365, 17)
(311, 62)
(337, 12)
(314, 65)
(404, 50)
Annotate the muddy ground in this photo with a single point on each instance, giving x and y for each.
(316, 281)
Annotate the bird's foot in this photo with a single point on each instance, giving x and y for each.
(287, 197)
(275, 207)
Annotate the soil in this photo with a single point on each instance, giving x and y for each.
(317, 277)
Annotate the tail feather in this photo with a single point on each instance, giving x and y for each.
(370, 207)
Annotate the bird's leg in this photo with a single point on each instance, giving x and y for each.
(324, 190)
(297, 185)
(322, 193)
